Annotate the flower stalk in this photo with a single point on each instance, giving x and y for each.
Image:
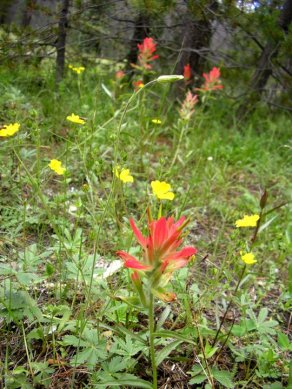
(151, 323)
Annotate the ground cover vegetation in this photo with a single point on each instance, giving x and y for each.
(145, 228)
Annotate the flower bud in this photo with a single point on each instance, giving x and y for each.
(169, 78)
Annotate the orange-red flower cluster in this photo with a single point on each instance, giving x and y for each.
(160, 256)
(187, 72)
(120, 74)
(138, 84)
(146, 50)
(212, 80)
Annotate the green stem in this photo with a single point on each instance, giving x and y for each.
(229, 305)
(151, 341)
(178, 145)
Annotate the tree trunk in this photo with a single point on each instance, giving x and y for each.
(264, 67)
(4, 7)
(28, 11)
(196, 41)
(61, 41)
(141, 31)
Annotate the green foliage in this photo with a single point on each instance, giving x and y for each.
(60, 235)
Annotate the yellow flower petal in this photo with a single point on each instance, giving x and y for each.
(9, 129)
(77, 69)
(56, 166)
(247, 221)
(156, 121)
(248, 258)
(75, 119)
(162, 190)
(123, 174)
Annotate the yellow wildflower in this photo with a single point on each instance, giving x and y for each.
(56, 166)
(77, 69)
(162, 190)
(156, 121)
(123, 175)
(248, 258)
(247, 221)
(9, 129)
(75, 119)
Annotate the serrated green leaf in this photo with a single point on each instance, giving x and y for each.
(116, 364)
(71, 340)
(162, 354)
(89, 356)
(197, 379)
(224, 377)
(196, 369)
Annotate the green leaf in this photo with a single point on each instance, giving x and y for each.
(27, 278)
(107, 91)
(128, 380)
(115, 365)
(89, 356)
(274, 385)
(71, 340)
(198, 379)
(290, 278)
(162, 354)
(6, 270)
(175, 335)
(209, 350)
(266, 224)
(224, 377)
(121, 329)
(267, 327)
(284, 342)
(126, 347)
(262, 315)
(238, 330)
(163, 317)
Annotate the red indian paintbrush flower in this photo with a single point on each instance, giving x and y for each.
(146, 51)
(187, 72)
(212, 80)
(187, 107)
(120, 74)
(138, 84)
(160, 255)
